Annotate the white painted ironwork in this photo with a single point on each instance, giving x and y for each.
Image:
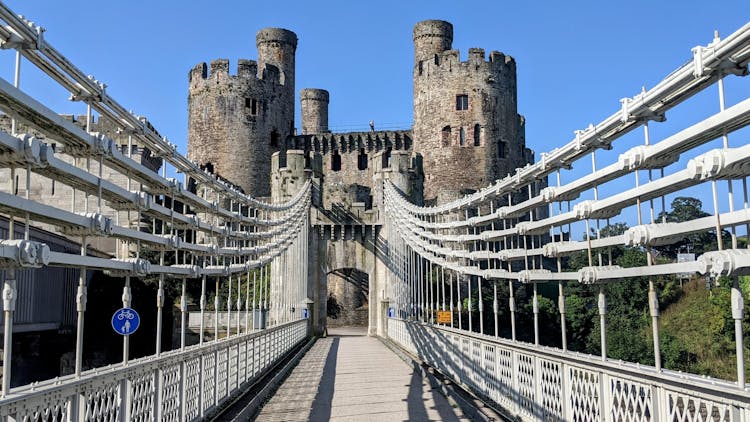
(217, 233)
(516, 231)
(544, 383)
(165, 387)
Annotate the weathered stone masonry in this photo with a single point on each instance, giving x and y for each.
(235, 122)
(466, 124)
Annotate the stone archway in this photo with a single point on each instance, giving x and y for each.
(348, 298)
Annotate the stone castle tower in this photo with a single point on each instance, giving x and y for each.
(314, 111)
(466, 124)
(236, 122)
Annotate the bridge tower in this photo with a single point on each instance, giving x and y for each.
(465, 115)
(236, 122)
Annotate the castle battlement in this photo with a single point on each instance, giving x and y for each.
(450, 61)
(351, 142)
(247, 71)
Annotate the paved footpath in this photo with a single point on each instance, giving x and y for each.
(349, 376)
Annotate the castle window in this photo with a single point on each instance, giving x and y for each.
(275, 138)
(362, 160)
(446, 136)
(462, 102)
(502, 149)
(437, 59)
(252, 104)
(477, 134)
(420, 68)
(336, 161)
(461, 137)
(386, 158)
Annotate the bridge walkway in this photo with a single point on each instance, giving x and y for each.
(349, 376)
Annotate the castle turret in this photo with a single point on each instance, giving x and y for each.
(276, 47)
(235, 122)
(314, 110)
(431, 38)
(466, 124)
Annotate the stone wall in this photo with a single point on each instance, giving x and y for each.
(344, 166)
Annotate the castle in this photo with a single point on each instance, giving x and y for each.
(464, 112)
(466, 134)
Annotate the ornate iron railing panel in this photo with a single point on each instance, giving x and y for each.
(164, 388)
(543, 383)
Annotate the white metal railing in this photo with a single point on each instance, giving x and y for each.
(543, 383)
(176, 386)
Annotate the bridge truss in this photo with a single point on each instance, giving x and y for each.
(507, 234)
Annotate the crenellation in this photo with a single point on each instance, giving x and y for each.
(247, 68)
(219, 68)
(352, 141)
(198, 73)
(499, 57)
(448, 59)
(467, 133)
(476, 55)
(464, 112)
(496, 67)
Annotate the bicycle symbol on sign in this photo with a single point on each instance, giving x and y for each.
(125, 313)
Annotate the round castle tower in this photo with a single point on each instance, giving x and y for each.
(314, 111)
(236, 122)
(466, 124)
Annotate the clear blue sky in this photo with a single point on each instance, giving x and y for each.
(575, 59)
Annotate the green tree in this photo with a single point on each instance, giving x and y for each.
(687, 209)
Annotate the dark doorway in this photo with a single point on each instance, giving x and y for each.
(347, 302)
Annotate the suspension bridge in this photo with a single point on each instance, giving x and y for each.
(430, 262)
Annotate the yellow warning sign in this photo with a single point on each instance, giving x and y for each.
(443, 317)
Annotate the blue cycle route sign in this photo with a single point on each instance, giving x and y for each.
(125, 321)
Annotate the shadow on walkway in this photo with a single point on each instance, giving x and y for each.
(321, 409)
